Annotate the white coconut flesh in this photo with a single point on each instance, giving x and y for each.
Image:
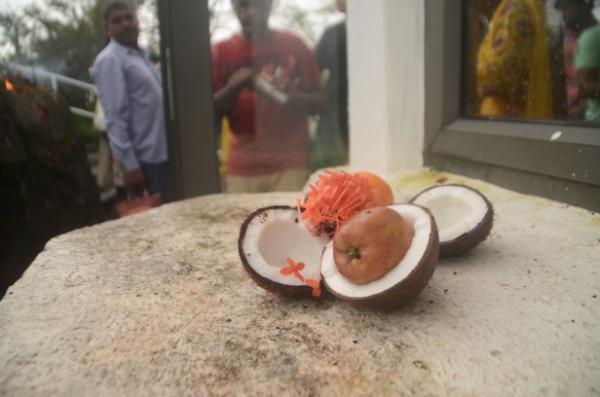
(422, 226)
(274, 236)
(457, 210)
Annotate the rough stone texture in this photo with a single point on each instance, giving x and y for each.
(159, 304)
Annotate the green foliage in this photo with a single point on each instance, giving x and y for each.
(62, 36)
(45, 181)
(297, 19)
(11, 29)
(66, 36)
(85, 130)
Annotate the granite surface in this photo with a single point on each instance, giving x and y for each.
(159, 304)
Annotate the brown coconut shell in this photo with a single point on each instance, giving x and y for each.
(469, 240)
(290, 291)
(407, 289)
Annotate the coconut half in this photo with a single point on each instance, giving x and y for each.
(463, 215)
(405, 281)
(268, 238)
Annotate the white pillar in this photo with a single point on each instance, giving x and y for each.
(386, 75)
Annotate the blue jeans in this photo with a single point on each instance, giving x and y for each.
(157, 179)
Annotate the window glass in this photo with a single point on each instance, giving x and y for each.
(532, 59)
(280, 91)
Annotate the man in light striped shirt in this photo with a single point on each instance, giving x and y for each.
(130, 91)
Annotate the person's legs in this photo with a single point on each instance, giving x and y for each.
(244, 184)
(157, 179)
(289, 180)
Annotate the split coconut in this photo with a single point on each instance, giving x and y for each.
(397, 244)
(405, 274)
(279, 252)
(463, 215)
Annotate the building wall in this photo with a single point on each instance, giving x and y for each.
(386, 76)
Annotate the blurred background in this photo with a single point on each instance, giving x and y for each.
(49, 150)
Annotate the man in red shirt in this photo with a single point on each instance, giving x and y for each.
(266, 82)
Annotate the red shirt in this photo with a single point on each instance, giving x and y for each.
(267, 137)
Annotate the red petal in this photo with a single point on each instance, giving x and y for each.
(314, 284)
(286, 271)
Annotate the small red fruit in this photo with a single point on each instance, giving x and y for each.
(371, 244)
(381, 193)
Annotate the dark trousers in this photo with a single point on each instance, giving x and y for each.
(157, 179)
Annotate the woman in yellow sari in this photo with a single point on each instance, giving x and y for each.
(513, 63)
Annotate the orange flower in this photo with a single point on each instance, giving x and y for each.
(293, 269)
(335, 198)
(316, 287)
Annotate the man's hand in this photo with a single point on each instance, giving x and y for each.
(135, 182)
(240, 78)
(223, 98)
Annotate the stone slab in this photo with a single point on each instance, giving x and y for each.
(158, 304)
